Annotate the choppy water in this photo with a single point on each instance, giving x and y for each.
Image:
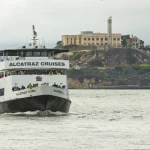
(98, 120)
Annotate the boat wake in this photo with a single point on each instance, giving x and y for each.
(37, 113)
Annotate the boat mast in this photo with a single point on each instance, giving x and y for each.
(34, 37)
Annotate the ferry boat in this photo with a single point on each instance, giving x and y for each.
(33, 79)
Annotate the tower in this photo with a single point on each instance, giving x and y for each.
(109, 22)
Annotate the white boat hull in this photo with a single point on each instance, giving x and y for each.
(40, 98)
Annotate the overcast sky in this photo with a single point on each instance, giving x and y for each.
(54, 18)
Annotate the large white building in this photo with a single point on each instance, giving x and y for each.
(90, 38)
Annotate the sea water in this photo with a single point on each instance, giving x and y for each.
(98, 120)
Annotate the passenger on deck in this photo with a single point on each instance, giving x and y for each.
(35, 72)
(35, 85)
(63, 87)
(22, 72)
(58, 73)
(1, 75)
(23, 87)
(54, 84)
(51, 73)
(16, 88)
(29, 86)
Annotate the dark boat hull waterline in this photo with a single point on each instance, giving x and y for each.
(42, 103)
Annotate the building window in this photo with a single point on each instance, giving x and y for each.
(105, 39)
(114, 39)
(105, 43)
(118, 39)
(71, 40)
(92, 39)
(21, 54)
(36, 53)
(89, 44)
(67, 40)
(43, 53)
(75, 41)
(2, 92)
(84, 39)
(101, 43)
(97, 39)
(97, 43)
(50, 53)
(28, 54)
(92, 43)
(89, 39)
(101, 39)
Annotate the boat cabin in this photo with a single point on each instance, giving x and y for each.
(16, 54)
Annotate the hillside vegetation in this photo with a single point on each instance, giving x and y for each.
(108, 67)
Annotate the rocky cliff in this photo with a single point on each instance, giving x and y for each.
(92, 68)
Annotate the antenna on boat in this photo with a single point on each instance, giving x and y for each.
(34, 37)
(42, 43)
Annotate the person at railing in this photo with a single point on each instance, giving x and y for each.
(29, 86)
(51, 72)
(23, 87)
(63, 87)
(58, 73)
(35, 72)
(16, 88)
(1, 75)
(54, 84)
(35, 85)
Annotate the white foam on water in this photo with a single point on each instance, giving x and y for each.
(36, 113)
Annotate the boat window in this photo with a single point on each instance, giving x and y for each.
(36, 53)
(21, 54)
(1, 75)
(44, 53)
(13, 73)
(2, 92)
(49, 53)
(28, 54)
(7, 74)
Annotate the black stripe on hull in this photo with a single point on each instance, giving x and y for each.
(43, 102)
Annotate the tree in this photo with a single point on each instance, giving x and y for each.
(124, 40)
(59, 43)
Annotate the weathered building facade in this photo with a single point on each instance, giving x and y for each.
(132, 42)
(91, 39)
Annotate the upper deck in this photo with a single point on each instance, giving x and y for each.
(32, 59)
(31, 52)
(37, 57)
